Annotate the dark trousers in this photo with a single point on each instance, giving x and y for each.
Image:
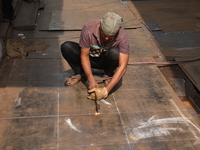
(8, 11)
(108, 61)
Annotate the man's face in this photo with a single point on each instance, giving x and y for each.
(105, 36)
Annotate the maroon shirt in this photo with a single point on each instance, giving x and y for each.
(90, 35)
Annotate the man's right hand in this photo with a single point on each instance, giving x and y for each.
(92, 85)
(97, 93)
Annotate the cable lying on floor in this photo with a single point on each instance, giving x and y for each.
(165, 63)
(157, 63)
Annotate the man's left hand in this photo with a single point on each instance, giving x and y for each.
(93, 85)
(97, 93)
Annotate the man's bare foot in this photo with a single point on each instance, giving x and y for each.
(73, 80)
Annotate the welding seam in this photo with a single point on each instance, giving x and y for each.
(118, 111)
(48, 116)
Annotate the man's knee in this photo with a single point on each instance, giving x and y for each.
(65, 45)
(70, 47)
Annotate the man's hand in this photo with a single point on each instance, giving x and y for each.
(97, 93)
(92, 85)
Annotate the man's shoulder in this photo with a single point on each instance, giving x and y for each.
(92, 23)
(122, 30)
(122, 33)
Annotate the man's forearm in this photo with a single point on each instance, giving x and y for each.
(88, 71)
(87, 67)
(116, 78)
(121, 70)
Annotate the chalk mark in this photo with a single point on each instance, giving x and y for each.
(68, 121)
(105, 102)
(158, 127)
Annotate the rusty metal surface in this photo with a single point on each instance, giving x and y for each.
(172, 16)
(74, 20)
(152, 25)
(37, 105)
(85, 10)
(38, 112)
(141, 44)
(28, 13)
(54, 40)
(192, 70)
(180, 24)
(183, 44)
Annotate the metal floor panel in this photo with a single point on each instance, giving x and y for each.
(38, 112)
(182, 44)
(141, 44)
(192, 69)
(71, 15)
(172, 16)
(74, 20)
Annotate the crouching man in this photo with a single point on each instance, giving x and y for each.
(103, 44)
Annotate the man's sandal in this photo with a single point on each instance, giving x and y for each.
(70, 81)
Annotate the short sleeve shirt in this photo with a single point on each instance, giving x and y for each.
(90, 38)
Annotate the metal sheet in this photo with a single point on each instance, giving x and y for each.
(52, 5)
(153, 25)
(179, 86)
(69, 5)
(180, 24)
(28, 13)
(145, 113)
(172, 16)
(141, 44)
(184, 44)
(53, 49)
(74, 20)
(192, 70)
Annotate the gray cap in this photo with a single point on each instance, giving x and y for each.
(111, 23)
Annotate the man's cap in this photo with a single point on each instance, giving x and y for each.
(111, 23)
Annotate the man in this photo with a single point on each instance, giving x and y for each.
(103, 44)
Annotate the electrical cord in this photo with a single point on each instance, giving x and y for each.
(156, 63)
(165, 63)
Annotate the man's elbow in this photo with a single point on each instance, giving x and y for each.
(123, 68)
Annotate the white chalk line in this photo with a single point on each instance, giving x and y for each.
(68, 121)
(18, 101)
(182, 115)
(187, 48)
(121, 121)
(137, 134)
(153, 128)
(153, 121)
